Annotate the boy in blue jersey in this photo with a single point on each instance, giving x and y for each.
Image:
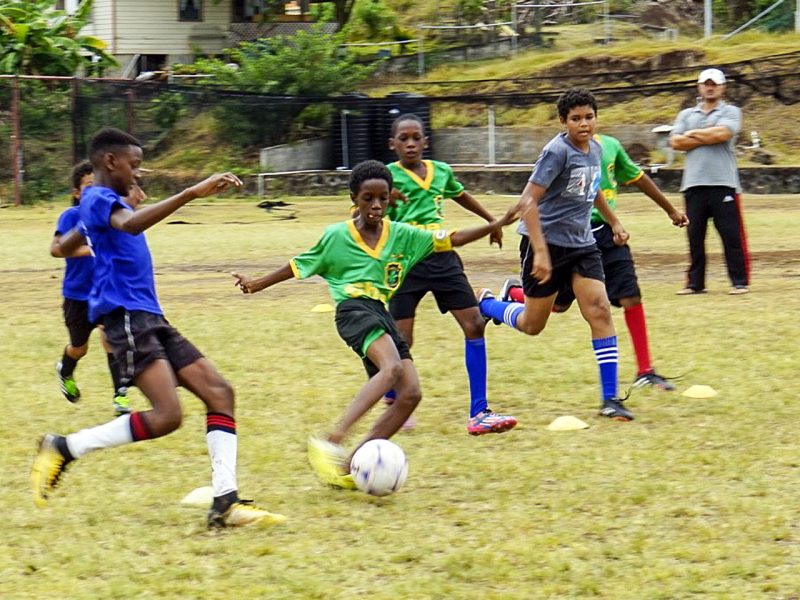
(75, 289)
(557, 246)
(151, 353)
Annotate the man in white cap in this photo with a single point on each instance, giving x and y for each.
(710, 183)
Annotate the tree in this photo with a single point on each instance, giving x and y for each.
(298, 70)
(37, 39)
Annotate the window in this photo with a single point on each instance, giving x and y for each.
(247, 10)
(190, 10)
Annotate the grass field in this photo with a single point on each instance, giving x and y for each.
(695, 499)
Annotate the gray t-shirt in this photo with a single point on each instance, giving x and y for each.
(572, 179)
(714, 164)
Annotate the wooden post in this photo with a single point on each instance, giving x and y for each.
(16, 141)
(131, 95)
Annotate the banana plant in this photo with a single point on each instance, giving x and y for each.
(38, 39)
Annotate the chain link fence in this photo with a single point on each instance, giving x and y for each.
(46, 123)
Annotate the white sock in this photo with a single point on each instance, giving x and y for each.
(222, 448)
(108, 435)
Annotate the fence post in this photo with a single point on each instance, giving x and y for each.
(16, 141)
(77, 152)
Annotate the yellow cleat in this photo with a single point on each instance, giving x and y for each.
(327, 460)
(48, 466)
(241, 513)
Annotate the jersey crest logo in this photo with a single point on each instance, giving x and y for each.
(393, 273)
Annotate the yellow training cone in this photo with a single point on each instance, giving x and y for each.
(202, 496)
(700, 391)
(322, 308)
(567, 423)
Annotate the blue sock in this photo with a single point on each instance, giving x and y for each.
(607, 355)
(507, 312)
(475, 357)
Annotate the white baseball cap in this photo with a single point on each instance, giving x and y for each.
(714, 75)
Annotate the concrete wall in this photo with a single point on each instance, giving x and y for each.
(507, 180)
(520, 145)
(298, 156)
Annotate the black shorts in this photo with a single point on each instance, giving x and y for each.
(138, 338)
(585, 261)
(76, 318)
(358, 318)
(618, 266)
(442, 274)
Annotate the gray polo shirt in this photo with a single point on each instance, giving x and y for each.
(572, 179)
(714, 164)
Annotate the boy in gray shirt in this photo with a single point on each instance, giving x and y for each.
(558, 249)
(707, 133)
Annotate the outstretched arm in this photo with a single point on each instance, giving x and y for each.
(249, 285)
(144, 218)
(468, 201)
(648, 186)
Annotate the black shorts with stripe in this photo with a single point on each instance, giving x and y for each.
(76, 318)
(618, 266)
(442, 274)
(138, 338)
(565, 262)
(357, 318)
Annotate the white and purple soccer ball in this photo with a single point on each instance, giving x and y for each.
(379, 467)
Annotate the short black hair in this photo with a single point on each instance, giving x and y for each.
(369, 169)
(407, 117)
(110, 139)
(575, 97)
(79, 171)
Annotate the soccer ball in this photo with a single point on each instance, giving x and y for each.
(379, 467)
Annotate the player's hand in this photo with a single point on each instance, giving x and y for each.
(496, 236)
(679, 219)
(621, 236)
(244, 283)
(512, 215)
(396, 196)
(217, 183)
(542, 268)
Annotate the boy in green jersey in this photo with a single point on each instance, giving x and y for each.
(364, 261)
(622, 285)
(421, 187)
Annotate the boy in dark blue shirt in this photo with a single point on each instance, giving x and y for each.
(75, 289)
(152, 354)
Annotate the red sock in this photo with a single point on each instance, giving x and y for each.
(139, 428)
(516, 294)
(634, 318)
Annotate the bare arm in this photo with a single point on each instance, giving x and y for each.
(468, 201)
(683, 143)
(694, 138)
(71, 244)
(81, 248)
(609, 216)
(250, 285)
(144, 218)
(648, 186)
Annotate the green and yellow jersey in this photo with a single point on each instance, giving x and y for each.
(616, 166)
(424, 207)
(354, 270)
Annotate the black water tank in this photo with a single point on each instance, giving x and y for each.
(384, 114)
